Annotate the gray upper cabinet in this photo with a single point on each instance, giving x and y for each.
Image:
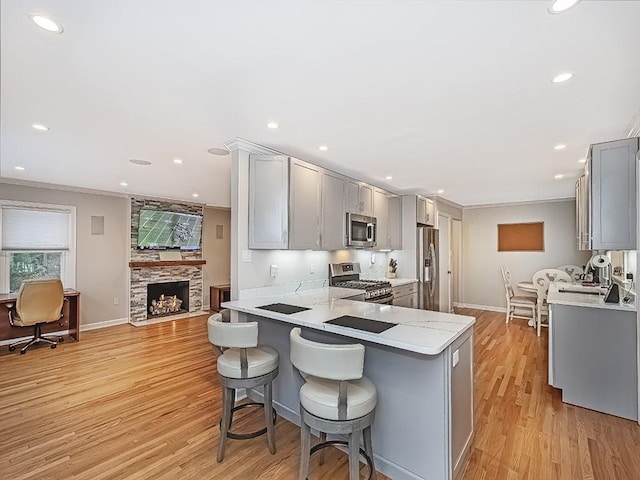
(612, 195)
(333, 211)
(426, 211)
(395, 222)
(359, 198)
(381, 213)
(305, 205)
(268, 202)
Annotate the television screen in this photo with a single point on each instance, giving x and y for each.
(160, 229)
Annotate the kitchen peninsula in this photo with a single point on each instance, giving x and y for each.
(422, 368)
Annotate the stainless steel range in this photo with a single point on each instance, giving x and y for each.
(347, 275)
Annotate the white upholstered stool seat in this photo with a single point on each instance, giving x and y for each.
(260, 361)
(334, 399)
(319, 396)
(242, 363)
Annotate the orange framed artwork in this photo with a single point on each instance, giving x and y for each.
(521, 237)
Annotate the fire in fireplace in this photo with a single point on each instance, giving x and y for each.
(168, 298)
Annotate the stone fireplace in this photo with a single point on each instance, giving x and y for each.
(147, 268)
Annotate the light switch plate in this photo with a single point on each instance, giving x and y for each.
(246, 256)
(273, 271)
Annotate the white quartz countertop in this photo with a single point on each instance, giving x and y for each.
(397, 282)
(420, 331)
(558, 297)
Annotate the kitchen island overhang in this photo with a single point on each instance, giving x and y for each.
(422, 368)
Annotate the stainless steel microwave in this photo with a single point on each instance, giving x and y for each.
(361, 231)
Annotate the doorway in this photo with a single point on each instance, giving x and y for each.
(444, 259)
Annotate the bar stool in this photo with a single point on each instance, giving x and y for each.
(335, 399)
(242, 363)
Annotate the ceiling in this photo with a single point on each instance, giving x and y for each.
(439, 95)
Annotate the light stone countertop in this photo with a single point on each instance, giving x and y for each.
(420, 331)
(558, 297)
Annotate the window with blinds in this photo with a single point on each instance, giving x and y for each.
(36, 241)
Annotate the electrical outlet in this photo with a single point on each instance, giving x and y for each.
(116, 301)
(312, 269)
(456, 357)
(273, 271)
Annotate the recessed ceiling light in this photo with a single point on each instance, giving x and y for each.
(218, 151)
(582, 160)
(562, 77)
(561, 146)
(195, 195)
(388, 177)
(272, 125)
(137, 161)
(123, 184)
(18, 167)
(559, 176)
(46, 23)
(40, 127)
(559, 6)
(323, 148)
(177, 161)
(440, 191)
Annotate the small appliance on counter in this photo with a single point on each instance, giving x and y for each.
(347, 275)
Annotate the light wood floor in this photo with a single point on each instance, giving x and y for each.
(143, 403)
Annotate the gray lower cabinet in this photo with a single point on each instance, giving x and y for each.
(406, 295)
(461, 402)
(268, 202)
(592, 358)
(609, 197)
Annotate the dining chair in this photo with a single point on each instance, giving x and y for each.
(516, 301)
(574, 271)
(541, 280)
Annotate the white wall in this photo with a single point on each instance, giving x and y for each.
(482, 283)
(101, 260)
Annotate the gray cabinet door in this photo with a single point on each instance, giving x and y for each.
(333, 211)
(353, 196)
(431, 212)
(461, 413)
(268, 201)
(305, 207)
(613, 195)
(366, 199)
(381, 213)
(421, 215)
(395, 223)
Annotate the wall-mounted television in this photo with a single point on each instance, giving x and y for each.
(161, 229)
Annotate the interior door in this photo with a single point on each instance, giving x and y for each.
(444, 228)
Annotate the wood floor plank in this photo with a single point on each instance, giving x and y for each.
(143, 403)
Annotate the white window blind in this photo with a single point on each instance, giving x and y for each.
(34, 229)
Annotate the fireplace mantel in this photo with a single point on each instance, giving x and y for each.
(166, 263)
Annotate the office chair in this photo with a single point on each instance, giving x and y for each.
(39, 302)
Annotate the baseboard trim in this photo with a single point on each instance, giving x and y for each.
(107, 323)
(490, 308)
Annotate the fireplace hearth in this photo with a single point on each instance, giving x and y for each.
(167, 298)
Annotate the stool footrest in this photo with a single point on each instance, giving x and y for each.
(247, 436)
(331, 443)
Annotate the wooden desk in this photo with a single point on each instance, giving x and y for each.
(70, 317)
(217, 295)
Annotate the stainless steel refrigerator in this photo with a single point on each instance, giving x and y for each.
(428, 288)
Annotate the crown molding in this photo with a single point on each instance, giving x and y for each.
(517, 204)
(239, 143)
